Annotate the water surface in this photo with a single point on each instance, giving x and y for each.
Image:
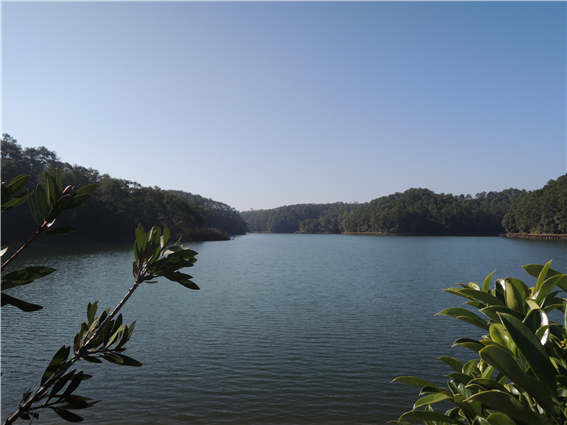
(286, 329)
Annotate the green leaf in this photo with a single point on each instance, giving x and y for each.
(488, 384)
(492, 313)
(514, 301)
(41, 201)
(113, 358)
(471, 344)
(24, 276)
(128, 361)
(14, 202)
(424, 415)
(529, 345)
(15, 185)
(88, 189)
(507, 365)
(59, 357)
(188, 284)
(431, 399)
(500, 335)
(452, 362)
(22, 305)
(50, 187)
(77, 200)
(58, 207)
(74, 384)
(509, 405)
(67, 415)
(547, 286)
(465, 315)
(542, 276)
(460, 377)
(91, 311)
(59, 231)
(500, 419)
(483, 296)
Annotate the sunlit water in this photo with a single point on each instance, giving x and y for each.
(286, 329)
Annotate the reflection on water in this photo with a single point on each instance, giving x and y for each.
(285, 329)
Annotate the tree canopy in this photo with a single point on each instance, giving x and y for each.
(117, 205)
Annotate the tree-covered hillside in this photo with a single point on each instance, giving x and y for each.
(421, 211)
(540, 211)
(305, 218)
(117, 206)
(416, 211)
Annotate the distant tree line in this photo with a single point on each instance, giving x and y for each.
(302, 218)
(117, 206)
(423, 212)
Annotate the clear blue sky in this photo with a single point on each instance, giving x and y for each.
(260, 105)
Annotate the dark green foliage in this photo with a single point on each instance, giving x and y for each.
(421, 211)
(217, 215)
(116, 206)
(520, 375)
(540, 211)
(415, 212)
(301, 218)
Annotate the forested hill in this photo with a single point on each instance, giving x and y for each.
(421, 211)
(115, 207)
(416, 211)
(304, 218)
(540, 211)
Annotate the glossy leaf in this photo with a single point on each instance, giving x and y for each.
(500, 335)
(542, 276)
(457, 365)
(531, 348)
(431, 399)
(500, 419)
(462, 314)
(510, 406)
(492, 313)
(547, 286)
(514, 299)
(483, 296)
(505, 363)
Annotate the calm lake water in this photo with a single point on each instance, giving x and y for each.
(286, 329)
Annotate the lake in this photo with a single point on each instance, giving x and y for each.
(286, 329)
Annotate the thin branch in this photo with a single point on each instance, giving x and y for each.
(38, 232)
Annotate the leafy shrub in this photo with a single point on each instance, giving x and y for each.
(520, 375)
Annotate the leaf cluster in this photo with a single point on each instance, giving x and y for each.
(154, 258)
(46, 206)
(520, 375)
